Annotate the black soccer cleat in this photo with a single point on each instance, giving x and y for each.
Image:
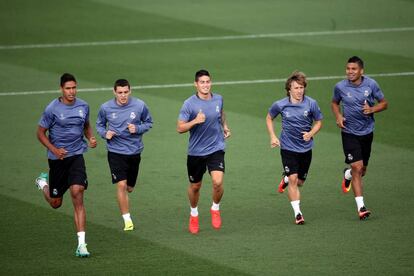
(299, 219)
(364, 213)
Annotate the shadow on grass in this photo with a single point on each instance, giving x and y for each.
(36, 240)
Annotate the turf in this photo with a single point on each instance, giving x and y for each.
(258, 236)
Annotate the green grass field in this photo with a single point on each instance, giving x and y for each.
(161, 45)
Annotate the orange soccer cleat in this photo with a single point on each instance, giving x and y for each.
(215, 219)
(193, 226)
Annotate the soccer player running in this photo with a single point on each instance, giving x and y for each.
(301, 120)
(66, 120)
(202, 114)
(122, 121)
(357, 94)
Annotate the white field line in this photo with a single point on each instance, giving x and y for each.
(203, 38)
(179, 85)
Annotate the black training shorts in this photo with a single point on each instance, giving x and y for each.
(65, 173)
(197, 165)
(357, 148)
(296, 163)
(124, 167)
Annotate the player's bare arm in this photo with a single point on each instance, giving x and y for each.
(60, 153)
(183, 126)
(315, 129)
(226, 129)
(380, 106)
(274, 141)
(340, 120)
(89, 135)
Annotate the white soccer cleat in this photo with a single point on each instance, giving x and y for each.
(82, 251)
(41, 181)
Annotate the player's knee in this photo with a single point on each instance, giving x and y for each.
(293, 180)
(195, 187)
(56, 203)
(217, 185)
(122, 185)
(358, 169)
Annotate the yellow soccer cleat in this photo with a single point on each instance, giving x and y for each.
(129, 226)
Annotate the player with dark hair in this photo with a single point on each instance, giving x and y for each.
(66, 119)
(301, 120)
(203, 116)
(122, 121)
(357, 95)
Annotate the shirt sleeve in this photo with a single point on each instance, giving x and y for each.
(185, 113)
(274, 110)
(87, 113)
(46, 120)
(146, 121)
(101, 123)
(337, 94)
(316, 111)
(377, 92)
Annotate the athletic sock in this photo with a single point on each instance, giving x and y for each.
(348, 175)
(359, 201)
(295, 205)
(215, 206)
(81, 238)
(127, 217)
(194, 211)
(286, 179)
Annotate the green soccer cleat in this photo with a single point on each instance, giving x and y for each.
(82, 251)
(42, 177)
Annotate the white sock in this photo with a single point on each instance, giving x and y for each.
(359, 201)
(215, 206)
(295, 205)
(81, 238)
(127, 217)
(348, 175)
(286, 179)
(194, 211)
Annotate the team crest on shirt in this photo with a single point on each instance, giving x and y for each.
(132, 115)
(348, 94)
(306, 113)
(61, 116)
(81, 114)
(366, 93)
(217, 108)
(286, 113)
(113, 115)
